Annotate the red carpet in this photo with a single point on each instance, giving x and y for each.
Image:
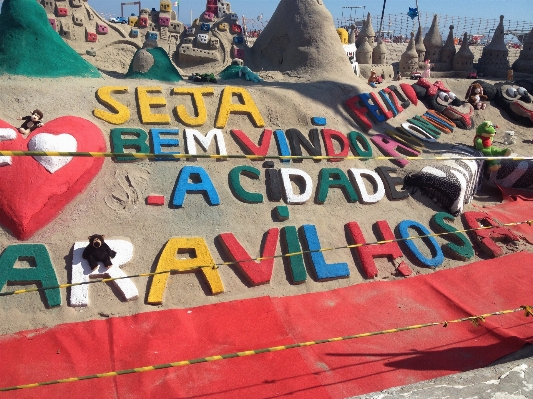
(517, 207)
(334, 370)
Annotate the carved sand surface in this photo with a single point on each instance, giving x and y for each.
(178, 214)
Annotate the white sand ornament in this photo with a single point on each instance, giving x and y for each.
(82, 273)
(7, 134)
(56, 143)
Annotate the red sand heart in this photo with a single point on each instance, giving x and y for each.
(30, 196)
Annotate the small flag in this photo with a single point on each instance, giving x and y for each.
(413, 12)
(176, 3)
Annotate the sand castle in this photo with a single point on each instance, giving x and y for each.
(464, 58)
(289, 43)
(524, 63)
(494, 61)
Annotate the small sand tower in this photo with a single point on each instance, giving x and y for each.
(379, 54)
(464, 59)
(363, 54)
(447, 53)
(433, 41)
(409, 59)
(420, 48)
(494, 60)
(524, 63)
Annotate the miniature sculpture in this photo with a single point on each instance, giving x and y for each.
(31, 122)
(98, 251)
(427, 70)
(249, 75)
(483, 142)
(475, 96)
(509, 138)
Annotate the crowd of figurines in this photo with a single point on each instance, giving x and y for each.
(216, 36)
(429, 52)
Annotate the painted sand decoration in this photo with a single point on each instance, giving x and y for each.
(153, 64)
(25, 21)
(235, 245)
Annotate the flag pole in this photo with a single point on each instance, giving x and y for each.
(419, 24)
(382, 15)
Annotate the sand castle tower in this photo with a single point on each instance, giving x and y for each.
(447, 52)
(352, 37)
(363, 55)
(494, 60)
(464, 59)
(433, 41)
(360, 37)
(420, 48)
(301, 38)
(368, 30)
(524, 63)
(379, 54)
(409, 59)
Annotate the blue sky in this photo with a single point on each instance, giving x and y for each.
(517, 10)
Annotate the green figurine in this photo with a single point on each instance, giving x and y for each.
(483, 142)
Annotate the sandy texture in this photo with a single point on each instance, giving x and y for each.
(114, 203)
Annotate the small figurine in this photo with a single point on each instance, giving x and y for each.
(475, 96)
(472, 75)
(483, 142)
(398, 76)
(98, 251)
(427, 71)
(415, 75)
(510, 75)
(31, 122)
(249, 75)
(509, 138)
(374, 78)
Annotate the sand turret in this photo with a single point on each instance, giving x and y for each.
(353, 34)
(420, 48)
(300, 37)
(409, 59)
(448, 51)
(379, 54)
(524, 63)
(433, 41)
(361, 36)
(368, 30)
(464, 59)
(363, 55)
(494, 60)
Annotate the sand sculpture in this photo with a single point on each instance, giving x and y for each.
(524, 63)
(464, 59)
(213, 40)
(433, 41)
(494, 60)
(420, 48)
(367, 32)
(409, 62)
(447, 53)
(24, 21)
(302, 45)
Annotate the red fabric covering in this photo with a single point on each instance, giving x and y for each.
(334, 370)
(518, 208)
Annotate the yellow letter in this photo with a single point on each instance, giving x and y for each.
(122, 113)
(227, 107)
(145, 104)
(197, 102)
(168, 261)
